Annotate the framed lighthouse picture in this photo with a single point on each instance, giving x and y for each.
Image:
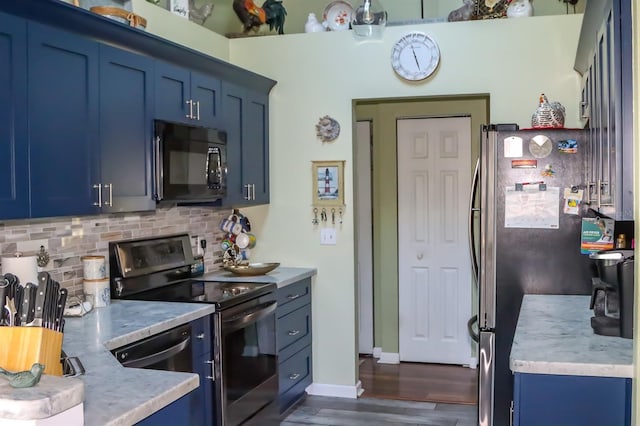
(328, 183)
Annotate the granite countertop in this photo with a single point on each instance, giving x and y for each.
(282, 276)
(114, 395)
(554, 336)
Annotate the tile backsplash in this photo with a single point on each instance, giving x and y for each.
(67, 239)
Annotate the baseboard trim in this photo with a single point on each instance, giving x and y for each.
(339, 391)
(389, 358)
(377, 352)
(473, 363)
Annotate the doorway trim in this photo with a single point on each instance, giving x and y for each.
(384, 113)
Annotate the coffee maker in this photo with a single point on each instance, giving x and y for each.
(612, 293)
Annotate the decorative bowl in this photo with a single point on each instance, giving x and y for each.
(251, 268)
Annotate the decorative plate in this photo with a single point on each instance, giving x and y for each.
(337, 15)
(251, 269)
(327, 129)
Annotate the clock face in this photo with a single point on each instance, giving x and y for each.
(415, 56)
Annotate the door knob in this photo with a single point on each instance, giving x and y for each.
(420, 256)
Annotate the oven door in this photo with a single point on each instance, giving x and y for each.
(247, 371)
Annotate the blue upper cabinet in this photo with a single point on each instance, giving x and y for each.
(186, 96)
(63, 122)
(125, 134)
(246, 120)
(14, 173)
(255, 166)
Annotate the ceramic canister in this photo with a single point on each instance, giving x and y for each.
(94, 267)
(97, 292)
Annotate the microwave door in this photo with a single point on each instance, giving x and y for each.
(214, 166)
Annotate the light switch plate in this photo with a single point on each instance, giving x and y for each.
(328, 236)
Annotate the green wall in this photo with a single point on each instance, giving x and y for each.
(384, 114)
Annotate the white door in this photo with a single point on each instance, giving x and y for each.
(364, 232)
(434, 270)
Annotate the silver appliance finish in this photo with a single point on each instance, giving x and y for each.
(516, 261)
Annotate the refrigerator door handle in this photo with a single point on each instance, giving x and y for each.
(472, 210)
(486, 378)
(487, 271)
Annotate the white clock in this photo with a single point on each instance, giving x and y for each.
(415, 56)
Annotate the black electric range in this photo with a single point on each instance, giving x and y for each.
(244, 383)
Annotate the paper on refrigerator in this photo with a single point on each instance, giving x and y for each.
(532, 208)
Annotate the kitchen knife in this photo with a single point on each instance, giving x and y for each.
(52, 305)
(62, 301)
(28, 302)
(4, 294)
(39, 305)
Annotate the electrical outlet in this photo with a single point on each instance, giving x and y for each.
(328, 236)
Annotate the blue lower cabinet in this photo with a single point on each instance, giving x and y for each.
(293, 336)
(544, 399)
(178, 413)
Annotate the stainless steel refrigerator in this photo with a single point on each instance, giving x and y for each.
(525, 246)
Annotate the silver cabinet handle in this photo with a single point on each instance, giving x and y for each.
(293, 332)
(248, 197)
(294, 376)
(198, 110)
(200, 336)
(98, 186)
(190, 103)
(212, 376)
(293, 296)
(253, 187)
(109, 186)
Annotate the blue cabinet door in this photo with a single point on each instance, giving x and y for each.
(203, 405)
(179, 412)
(256, 147)
(544, 399)
(173, 90)
(205, 93)
(63, 117)
(14, 151)
(246, 121)
(186, 97)
(126, 138)
(233, 104)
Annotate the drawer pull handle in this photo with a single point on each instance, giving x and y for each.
(294, 376)
(293, 332)
(293, 296)
(212, 376)
(200, 336)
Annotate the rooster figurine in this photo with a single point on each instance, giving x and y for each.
(252, 16)
(548, 114)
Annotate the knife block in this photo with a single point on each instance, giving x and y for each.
(23, 346)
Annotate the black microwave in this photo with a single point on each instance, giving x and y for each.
(191, 163)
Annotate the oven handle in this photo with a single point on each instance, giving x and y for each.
(158, 356)
(248, 317)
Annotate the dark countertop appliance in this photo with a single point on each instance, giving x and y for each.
(245, 381)
(612, 293)
(524, 257)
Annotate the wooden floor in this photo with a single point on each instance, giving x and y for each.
(407, 394)
(419, 382)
